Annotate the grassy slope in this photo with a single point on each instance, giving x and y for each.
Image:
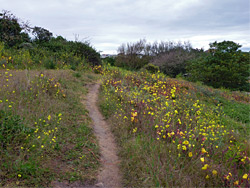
(45, 134)
(149, 159)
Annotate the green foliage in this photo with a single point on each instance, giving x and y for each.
(224, 66)
(12, 130)
(11, 30)
(109, 60)
(151, 68)
(41, 34)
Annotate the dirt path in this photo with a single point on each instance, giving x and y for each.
(109, 175)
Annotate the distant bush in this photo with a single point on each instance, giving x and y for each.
(151, 68)
(170, 57)
(174, 62)
(132, 56)
(109, 60)
(223, 66)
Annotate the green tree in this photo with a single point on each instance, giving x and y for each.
(41, 34)
(223, 66)
(11, 30)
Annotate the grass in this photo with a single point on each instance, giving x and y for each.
(44, 128)
(176, 133)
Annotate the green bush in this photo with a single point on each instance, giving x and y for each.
(152, 68)
(223, 66)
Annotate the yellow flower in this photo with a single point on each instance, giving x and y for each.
(184, 148)
(49, 117)
(205, 167)
(185, 142)
(42, 146)
(202, 159)
(245, 176)
(203, 150)
(214, 172)
(41, 75)
(134, 130)
(19, 175)
(207, 177)
(190, 154)
(236, 182)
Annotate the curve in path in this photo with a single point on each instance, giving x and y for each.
(109, 175)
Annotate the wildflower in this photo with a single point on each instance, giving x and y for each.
(236, 182)
(184, 148)
(245, 176)
(185, 142)
(202, 159)
(207, 177)
(19, 175)
(134, 130)
(214, 172)
(190, 154)
(41, 75)
(205, 167)
(203, 150)
(49, 117)
(42, 146)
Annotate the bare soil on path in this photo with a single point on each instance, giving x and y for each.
(109, 175)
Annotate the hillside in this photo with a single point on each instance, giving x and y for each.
(177, 133)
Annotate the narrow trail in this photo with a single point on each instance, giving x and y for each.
(109, 175)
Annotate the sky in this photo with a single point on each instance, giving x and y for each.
(107, 24)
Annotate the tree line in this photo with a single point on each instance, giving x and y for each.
(222, 65)
(16, 34)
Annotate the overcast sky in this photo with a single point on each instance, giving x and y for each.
(109, 23)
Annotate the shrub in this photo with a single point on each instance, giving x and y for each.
(151, 68)
(224, 66)
(174, 62)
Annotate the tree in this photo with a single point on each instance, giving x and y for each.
(224, 66)
(11, 29)
(41, 34)
(132, 55)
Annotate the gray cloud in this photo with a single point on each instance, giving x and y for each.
(110, 23)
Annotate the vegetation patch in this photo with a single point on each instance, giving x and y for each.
(44, 128)
(172, 134)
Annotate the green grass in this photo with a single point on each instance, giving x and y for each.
(45, 133)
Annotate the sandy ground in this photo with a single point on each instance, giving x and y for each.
(109, 175)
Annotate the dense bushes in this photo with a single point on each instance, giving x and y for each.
(133, 56)
(223, 66)
(170, 57)
(43, 48)
(174, 62)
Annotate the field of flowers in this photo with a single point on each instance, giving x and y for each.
(176, 133)
(44, 132)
